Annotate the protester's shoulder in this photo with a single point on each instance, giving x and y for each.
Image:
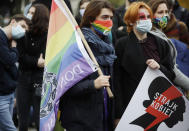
(119, 11)
(22, 40)
(1, 33)
(159, 35)
(161, 39)
(122, 42)
(157, 32)
(180, 46)
(123, 39)
(3, 37)
(182, 26)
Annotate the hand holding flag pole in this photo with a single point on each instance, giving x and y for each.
(110, 94)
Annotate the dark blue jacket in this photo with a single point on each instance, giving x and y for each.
(8, 69)
(182, 56)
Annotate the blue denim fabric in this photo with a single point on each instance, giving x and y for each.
(6, 111)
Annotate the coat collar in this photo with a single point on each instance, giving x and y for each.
(133, 58)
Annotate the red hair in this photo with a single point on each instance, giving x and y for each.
(131, 14)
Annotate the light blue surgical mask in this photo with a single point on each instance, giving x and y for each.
(82, 11)
(18, 32)
(144, 26)
(29, 16)
(6, 21)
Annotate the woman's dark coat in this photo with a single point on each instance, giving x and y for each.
(130, 66)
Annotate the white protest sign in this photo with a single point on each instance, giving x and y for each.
(156, 105)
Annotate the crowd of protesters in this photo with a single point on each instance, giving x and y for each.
(125, 41)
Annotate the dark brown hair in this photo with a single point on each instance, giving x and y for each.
(40, 19)
(170, 4)
(155, 3)
(93, 10)
(83, 1)
(20, 17)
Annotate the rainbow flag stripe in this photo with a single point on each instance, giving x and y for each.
(66, 63)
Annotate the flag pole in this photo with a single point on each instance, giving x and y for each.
(110, 94)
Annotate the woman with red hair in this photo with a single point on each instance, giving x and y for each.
(135, 52)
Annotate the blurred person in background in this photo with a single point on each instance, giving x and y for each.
(135, 52)
(166, 21)
(6, 16)
(160, 21)
(9, 73)
(7, 9)
(27, 7)
(48, 3)
(184, 3)
(182, 56)
(81, 9)
(86, 106)
(180, 12)
(31, 65)
(119, 28)
(6, 19)
(175, 28)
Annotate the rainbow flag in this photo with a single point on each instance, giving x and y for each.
(66, 63)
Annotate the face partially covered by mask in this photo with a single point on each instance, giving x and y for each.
(161, 16)
(82, 11)
(6, 21)
(161, 22)
(18, 31)
(143, 23)
(83, 6)
(29, 16)
(144, 26)
(102, 27)
(31, 13)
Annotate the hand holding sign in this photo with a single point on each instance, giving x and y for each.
(152, 64)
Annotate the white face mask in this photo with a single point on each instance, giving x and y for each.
(144, 26)
(29, 16)
(18, 32)
(81, 11)
(6, 21)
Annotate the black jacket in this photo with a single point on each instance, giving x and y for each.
(8, 69)
(82, 106)
(30, 47)
(130, 66)
(118, 22)
(48, 3)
